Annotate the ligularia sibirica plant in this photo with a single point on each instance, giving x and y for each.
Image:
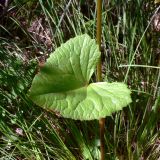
(63, 84)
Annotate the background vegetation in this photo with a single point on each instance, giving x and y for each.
(31, 30)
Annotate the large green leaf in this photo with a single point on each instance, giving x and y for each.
(63, 83)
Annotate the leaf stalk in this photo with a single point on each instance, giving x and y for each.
(99, 73)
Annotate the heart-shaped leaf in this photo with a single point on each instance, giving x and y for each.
(63, 83)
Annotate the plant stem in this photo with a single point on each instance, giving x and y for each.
(98, 37)
(102, 125)
(99, 73)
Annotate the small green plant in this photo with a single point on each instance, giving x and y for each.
(63, 83)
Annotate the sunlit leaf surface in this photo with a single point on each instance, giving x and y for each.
(63, 83)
